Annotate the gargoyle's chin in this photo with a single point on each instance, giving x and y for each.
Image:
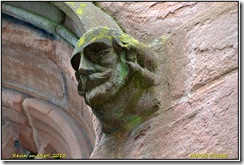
(100, 94)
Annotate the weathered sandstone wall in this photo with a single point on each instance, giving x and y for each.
(39, 95)
(197, 47)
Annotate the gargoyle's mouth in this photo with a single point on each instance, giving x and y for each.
(88, 82)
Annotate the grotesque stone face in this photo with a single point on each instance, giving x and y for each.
(114, 72)
(101, 72)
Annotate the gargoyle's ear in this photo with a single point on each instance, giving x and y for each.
(118, 45)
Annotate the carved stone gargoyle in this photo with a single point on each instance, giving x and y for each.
(116, 76)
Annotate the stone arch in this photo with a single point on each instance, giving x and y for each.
(38, 84)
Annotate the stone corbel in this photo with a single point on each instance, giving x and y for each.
(117, 76)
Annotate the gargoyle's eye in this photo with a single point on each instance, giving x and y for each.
(103, 52)
(95, 51)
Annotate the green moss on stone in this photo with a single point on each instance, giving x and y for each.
(105, 34)
(123, 69)
(83, 5)
(79, 11)
(133, 122)
(88, 37)
(128, 39)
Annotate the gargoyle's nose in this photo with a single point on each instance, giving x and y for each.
(86, 67)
